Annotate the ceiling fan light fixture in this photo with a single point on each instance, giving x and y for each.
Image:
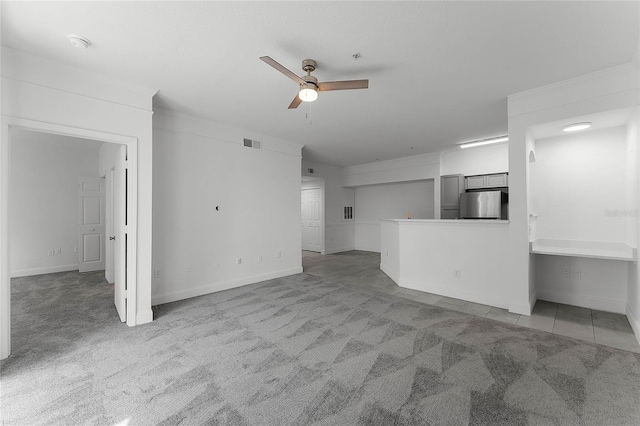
(308, 94)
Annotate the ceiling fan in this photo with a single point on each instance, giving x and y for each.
(309, 86)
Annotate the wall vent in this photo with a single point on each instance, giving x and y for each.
(348, 213)
(252, 144)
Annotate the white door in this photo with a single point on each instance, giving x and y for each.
(312, 221)
(119, 232)
(91, 227)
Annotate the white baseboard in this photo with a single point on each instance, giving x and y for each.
(390, 275)
(144, 317)
(634, 321)
(456, 294)
(600, 304)
(338, 250)
(44, 270)
(365, 248)
(219, 286)
(522, 308)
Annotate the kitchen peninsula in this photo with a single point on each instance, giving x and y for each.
(455, 258)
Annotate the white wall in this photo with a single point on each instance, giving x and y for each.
(416, 167)
(199, 166)
(43, 200)
(606, 90)
(38, 93)
(392, 200)
(575, 181)
(602, 284)
(405, 169)
(340, 187)
(339, 233)
(424, 255)
(476, 161)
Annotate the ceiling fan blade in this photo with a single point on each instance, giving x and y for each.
(295, 102)
(343, 85)
(282, 69)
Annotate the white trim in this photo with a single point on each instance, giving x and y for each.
(132, 232)
(590, 302)
(456, 294)
(634, 321)
(219, 286)
(144, 316)
(44, 270)
(132, 214)
(522, 308)
(367, 248)
(5, 280)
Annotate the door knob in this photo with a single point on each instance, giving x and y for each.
(112, 238)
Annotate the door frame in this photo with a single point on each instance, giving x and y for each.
(132, 213)
(108, 225)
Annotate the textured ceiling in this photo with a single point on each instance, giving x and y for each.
(439, 72)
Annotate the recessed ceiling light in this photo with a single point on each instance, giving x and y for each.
(484, 142)
(576, 126)
(79, 42)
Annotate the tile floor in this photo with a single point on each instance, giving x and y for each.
(361, 268)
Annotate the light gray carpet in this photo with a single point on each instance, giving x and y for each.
(296, 351)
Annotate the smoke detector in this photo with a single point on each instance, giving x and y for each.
(79, 42)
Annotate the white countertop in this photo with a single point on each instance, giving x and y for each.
(449, 221)
(592, 249)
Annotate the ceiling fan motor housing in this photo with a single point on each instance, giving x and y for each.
(309, 65)
(312, 82)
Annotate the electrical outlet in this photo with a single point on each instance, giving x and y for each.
(157, 273)
(189, 268)
(75, 249)
(50, 252)
(577, 274)
(58, 250)
(566, 272)
(279, 254)
(456, 273)
(259, 259)
(238, 260)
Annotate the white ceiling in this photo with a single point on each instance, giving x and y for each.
(439, 72)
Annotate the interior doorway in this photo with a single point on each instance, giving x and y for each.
(60, 206)
(9, 126)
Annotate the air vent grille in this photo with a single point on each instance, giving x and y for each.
(348, 213)
(248, 143)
